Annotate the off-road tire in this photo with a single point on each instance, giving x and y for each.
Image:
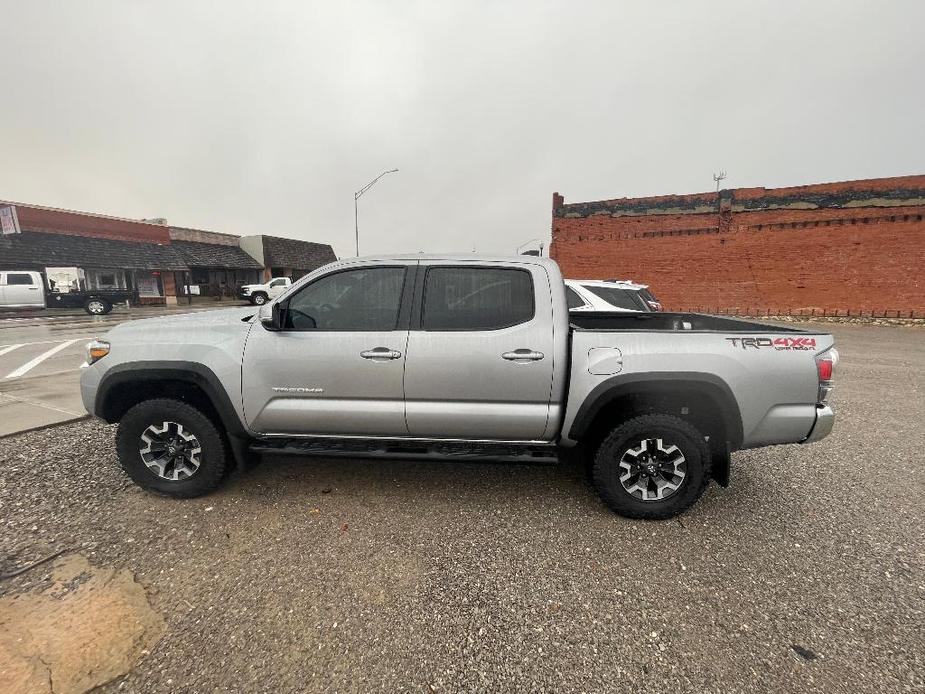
(606, 467)
(213, 458)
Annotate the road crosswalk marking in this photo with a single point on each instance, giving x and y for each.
(6, 349)
(32, 363)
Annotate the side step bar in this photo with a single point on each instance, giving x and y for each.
(411, 450)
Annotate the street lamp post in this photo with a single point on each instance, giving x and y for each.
(527, 243)
(356, 204)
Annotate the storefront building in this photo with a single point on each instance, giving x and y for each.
(158, 262)
(96, 252)
(281, 257)
(218, 267)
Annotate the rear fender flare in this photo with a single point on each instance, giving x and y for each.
(617, 387)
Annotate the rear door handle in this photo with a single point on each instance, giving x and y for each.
(523, 355)
(381, 353)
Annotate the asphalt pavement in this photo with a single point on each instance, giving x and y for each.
(806, 575)
(40, 357)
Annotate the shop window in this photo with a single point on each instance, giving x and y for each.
(149, 283)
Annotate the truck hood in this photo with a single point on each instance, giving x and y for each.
(189, 323)
(252, 286)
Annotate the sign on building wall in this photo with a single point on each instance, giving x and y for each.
(9, 222)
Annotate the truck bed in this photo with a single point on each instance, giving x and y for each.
(670, 322)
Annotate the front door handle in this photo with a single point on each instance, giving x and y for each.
(523, 355)
(381, 353)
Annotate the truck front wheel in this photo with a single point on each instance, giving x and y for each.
(259, 299)
(169, 447)
(97, 307)
(652, 466)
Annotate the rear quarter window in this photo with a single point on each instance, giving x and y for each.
(619, 297)
(573, 299)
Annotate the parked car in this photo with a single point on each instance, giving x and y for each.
(609, 295)
(259, 294)
(460, 358)
(27, 289)
(645, 292)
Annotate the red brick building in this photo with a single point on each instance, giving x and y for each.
(850, 248)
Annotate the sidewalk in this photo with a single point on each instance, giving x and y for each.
(38, 402)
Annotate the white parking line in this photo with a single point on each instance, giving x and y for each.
(37, 342)
(32, 363)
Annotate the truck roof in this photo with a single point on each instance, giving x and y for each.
(458, 257)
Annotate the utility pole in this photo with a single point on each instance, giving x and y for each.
(719, 177)
(527, 243)
(356, 205)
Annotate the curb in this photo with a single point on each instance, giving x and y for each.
(42, 427)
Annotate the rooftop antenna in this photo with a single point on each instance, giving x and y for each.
(719, 177)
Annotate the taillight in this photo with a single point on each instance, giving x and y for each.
(825, 367)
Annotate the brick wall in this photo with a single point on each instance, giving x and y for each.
(854, 248)
(53, 221)
(203, 236)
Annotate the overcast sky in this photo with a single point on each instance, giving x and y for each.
(264, 117)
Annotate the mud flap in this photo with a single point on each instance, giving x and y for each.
(719, 467)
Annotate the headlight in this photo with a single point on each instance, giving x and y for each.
(96, 350)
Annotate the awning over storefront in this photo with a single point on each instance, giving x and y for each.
(298, 255)
(32, 249)
(210, 255)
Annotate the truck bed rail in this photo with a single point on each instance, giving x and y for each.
(670, 322)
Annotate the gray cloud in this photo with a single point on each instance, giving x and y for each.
(265, 117)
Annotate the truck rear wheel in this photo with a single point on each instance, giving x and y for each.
(169, 447)
(97, 307)
(652, 466)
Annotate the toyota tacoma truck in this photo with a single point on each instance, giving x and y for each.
(456, 358)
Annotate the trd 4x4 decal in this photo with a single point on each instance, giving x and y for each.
(778, 343)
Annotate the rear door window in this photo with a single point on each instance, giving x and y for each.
(476, 298)
(19, 278)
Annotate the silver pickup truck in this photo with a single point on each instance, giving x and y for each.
(456, 358)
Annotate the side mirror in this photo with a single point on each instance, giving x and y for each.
(271, 316)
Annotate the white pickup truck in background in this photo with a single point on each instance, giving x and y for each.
(27, 289)
(259, 294)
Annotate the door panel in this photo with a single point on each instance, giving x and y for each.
(317, 383)
(276, 288)
(22, 289)
(337, 366)
(480, 383)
